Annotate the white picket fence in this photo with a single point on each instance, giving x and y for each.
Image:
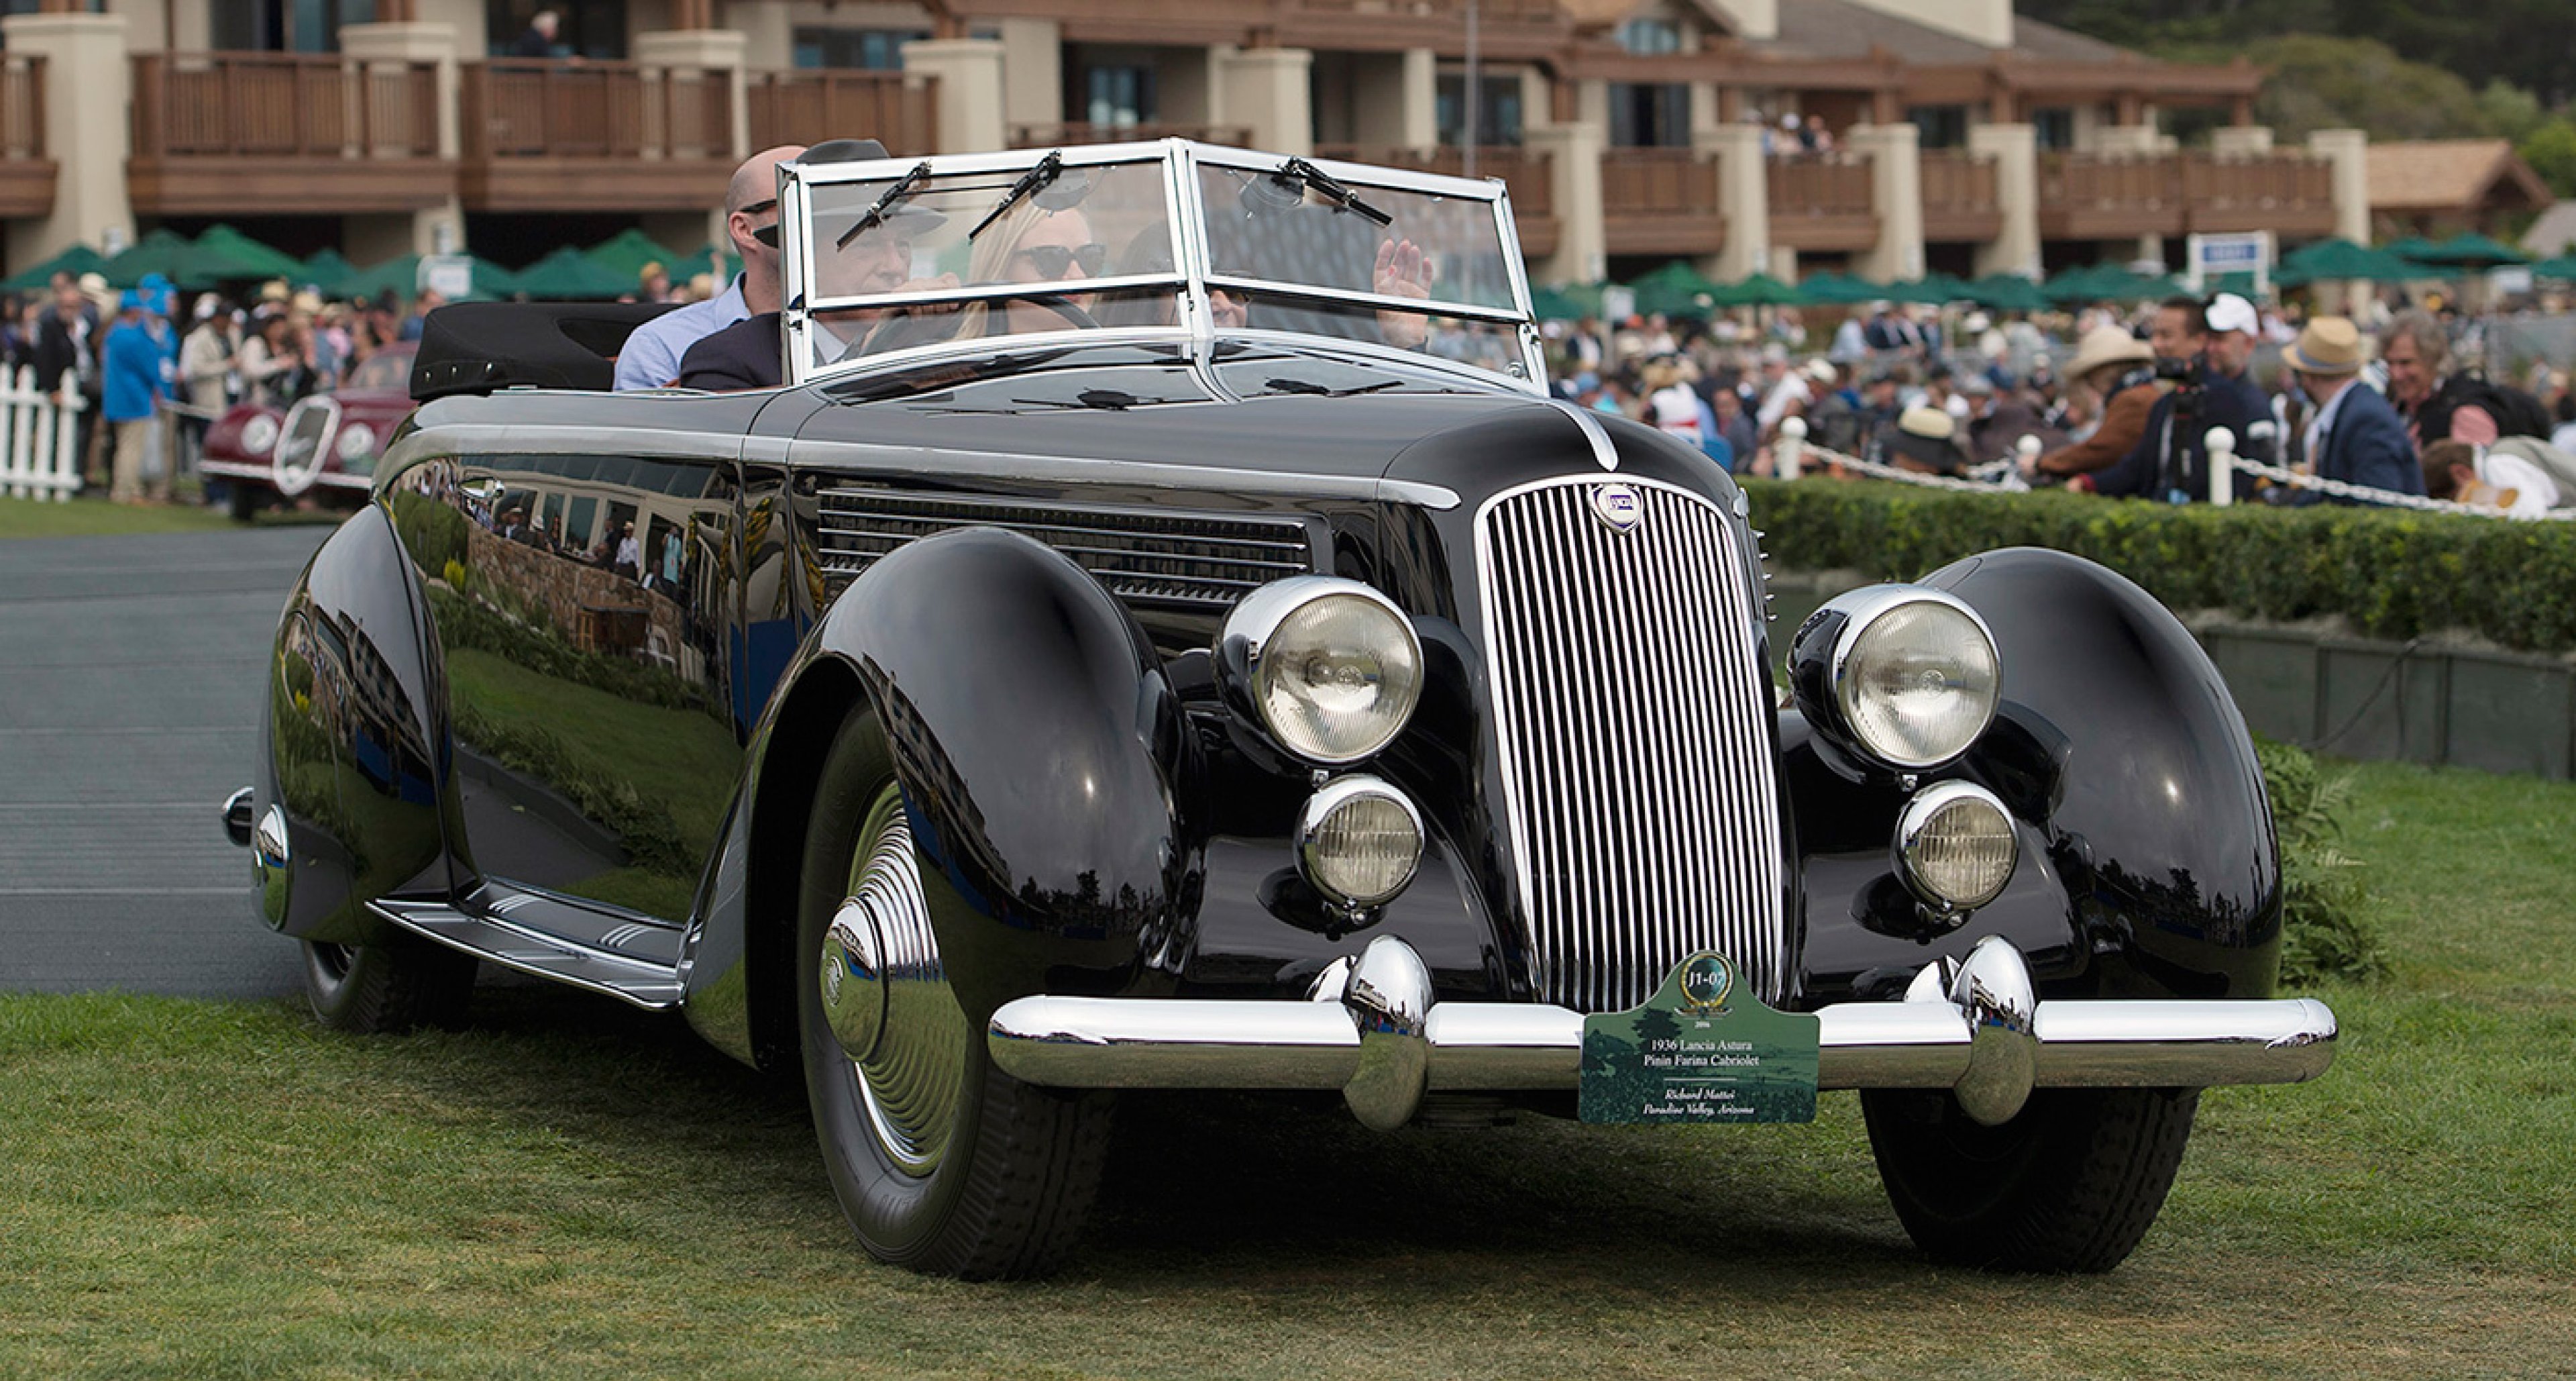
(39, 439)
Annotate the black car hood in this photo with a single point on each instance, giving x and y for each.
(1276, 410)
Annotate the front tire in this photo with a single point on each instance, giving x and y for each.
(396, 985)
(2070, 1184)
(941, 1162)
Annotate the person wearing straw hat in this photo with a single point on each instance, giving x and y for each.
(2117, 369)
(2355, 436)
(1923, 439)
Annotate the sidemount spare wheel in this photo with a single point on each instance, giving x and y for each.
(942, 1163)
(2070, 1183)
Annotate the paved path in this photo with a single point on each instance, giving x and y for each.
(129, 702)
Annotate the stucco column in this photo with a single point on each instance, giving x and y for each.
(1422, 103)
(2241, 141)
(1574, 187)
(87, 85)
(2349, 151)
(1743, 197)
(1265, 90)
(1896, 194)
(1032, 71)
(970, 90)
(768, 30)
(714, 55)
(368, 238)
(2015, 150)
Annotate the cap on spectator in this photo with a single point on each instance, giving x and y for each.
(2107, 345)
(206, 306)
(94, 287)
(652, 269)
(132, 300)
(274, 290)
(1928, 422)
(1924, 435)
(1821, 370)
(1976, 385)
(2326, 345)
(2228, 312)
(308, 302)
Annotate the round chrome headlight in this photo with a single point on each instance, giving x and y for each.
(1955, 846)
(1358, 840)
(357, 441)
(1901, 674)
(259, 434)
(1329, 668)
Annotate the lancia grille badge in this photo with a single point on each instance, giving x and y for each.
(1618, 507)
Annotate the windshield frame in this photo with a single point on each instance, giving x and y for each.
(1181, 161)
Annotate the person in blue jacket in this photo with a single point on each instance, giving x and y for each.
(2356, 436)
(131, 364)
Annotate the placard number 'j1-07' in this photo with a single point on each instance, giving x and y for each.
(1700, 1051)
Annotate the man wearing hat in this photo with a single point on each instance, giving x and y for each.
(2116, 368)
(2200, 344)
(1924, 439)
(67, 342)
(651, 356)
(131, 363)
(2355, 436)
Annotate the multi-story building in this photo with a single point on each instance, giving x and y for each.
(1962, 138)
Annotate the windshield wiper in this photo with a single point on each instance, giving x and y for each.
(1306, 177)
(1037, 178)
(885, 205)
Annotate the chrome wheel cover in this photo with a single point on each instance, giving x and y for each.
(886, 995)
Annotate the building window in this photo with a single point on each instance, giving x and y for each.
(587, 28)
(278, 26)
(1649, 116)
(1942, 126)
(2053, 127)
(1118, 96)
(1498, 110)
(1651, 37)
(879, 50)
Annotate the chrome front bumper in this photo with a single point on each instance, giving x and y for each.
(1975, 1027)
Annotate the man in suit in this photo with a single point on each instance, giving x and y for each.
(2356, 436)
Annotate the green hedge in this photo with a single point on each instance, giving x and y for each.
(2395, 574)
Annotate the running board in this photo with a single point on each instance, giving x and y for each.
(623, 959)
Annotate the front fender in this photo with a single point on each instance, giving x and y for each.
(350, 755)
(1041, 753)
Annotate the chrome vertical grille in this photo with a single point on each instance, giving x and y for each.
(1635, 728)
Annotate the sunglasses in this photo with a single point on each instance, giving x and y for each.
(1051, 261)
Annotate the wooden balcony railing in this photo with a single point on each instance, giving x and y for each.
(291, 105)
(230, 133)
(605, 136)
(1080, 132)
(1661, 201)
(1822, 203)
(26, 174)
(810, 105)
(1525, 173)
(2288, 193)
(520, 108)
(1490, 11)
(2101, 196)
(1961, 196)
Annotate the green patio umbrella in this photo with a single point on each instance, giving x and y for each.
(2562, 267)
(2078, 284)
(2412, 248)
(225, 255)
(1674, 289)
(706, 261)
(401, 276)
(1555, 304)
(164, 251)
(2470, 250)
(1760, 290)
(628, 251)
(566, 275)
(77, 260)
(2344, 259)
(1831, 287)
(324, 272)
(1932, 290)
(2007, 292)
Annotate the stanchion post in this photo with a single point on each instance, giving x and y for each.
(2220, 443)
(1789, 449)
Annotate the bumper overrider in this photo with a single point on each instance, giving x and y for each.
(1976, 1027)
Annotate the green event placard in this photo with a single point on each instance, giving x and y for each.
(1699, 1050)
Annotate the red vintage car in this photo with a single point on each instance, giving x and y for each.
(325, 445)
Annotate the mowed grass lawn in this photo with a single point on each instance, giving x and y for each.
(572, 1189)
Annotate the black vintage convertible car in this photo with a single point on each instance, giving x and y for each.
(1163, 634)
